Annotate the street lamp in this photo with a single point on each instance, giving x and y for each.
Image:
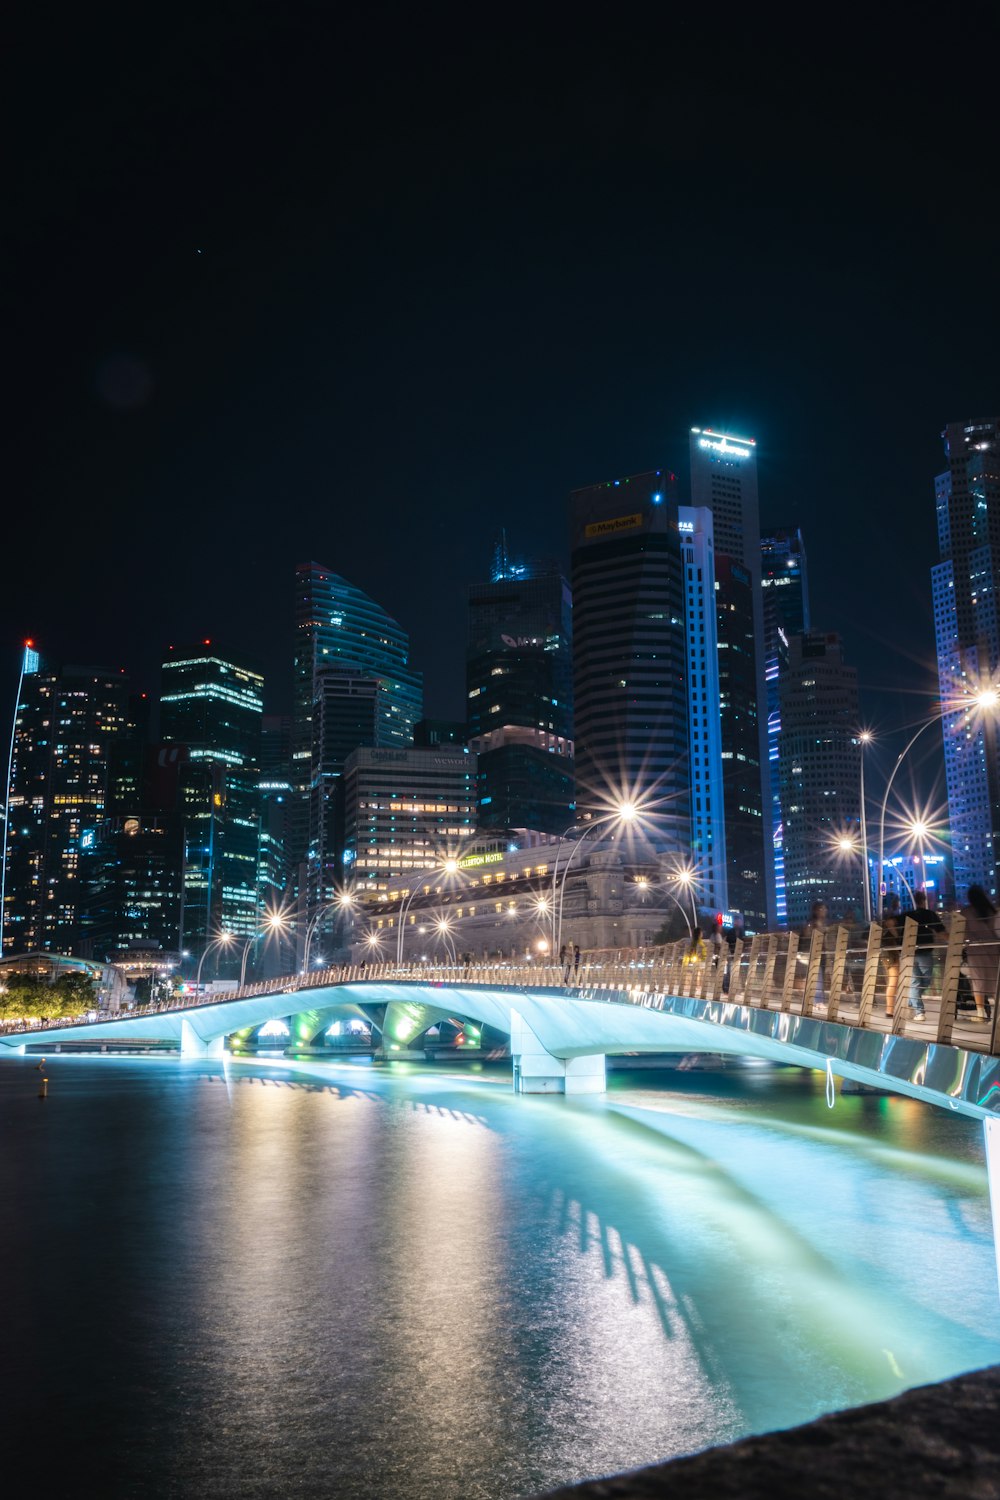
(687, 880)
(222, 941)
(981, 698)
(342, 899)
(626, 811)
(642, 881)
(450, 867)
(275, 921)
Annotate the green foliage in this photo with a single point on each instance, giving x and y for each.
(31, 996)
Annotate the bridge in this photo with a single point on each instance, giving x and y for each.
(820, 1005)
(823, 1008)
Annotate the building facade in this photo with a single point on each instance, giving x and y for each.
(724, 481)
(785, 587)
(405, 811)
(66, 725)
(352, 686)
(519, 695)
(967, 628)
(819, 770)
(629, 652)
(708, 823)
(213, 706)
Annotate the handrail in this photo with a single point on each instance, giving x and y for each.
(864, 985)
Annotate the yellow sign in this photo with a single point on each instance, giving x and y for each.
(472, 860)
(620, 523)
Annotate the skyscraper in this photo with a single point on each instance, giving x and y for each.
(967, 626)
(214, 706)
(629, 668)
(785, 587)
(724, 481)
(819, 776)
(66, 724)
(708, 824)
(405, 811)
(352, 661)
(519, 695)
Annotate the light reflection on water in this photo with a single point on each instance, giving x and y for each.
(315, 1278)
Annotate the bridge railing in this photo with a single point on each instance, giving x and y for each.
(836, 974)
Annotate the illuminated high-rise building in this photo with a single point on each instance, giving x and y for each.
(708, 824)
(784, 583)
(819, 771)
(519, 694)
(353, 686)
(405, 811)
(629, 656)
(967, 625)
(724, 481)
(66, 724)
(214, 706)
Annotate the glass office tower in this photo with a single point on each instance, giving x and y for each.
(724, 481)
(353, 685)
(967, 627)
(214, 706)
(519, 695)
(66, 725)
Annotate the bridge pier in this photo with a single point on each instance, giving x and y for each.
(192, 1045)
(536, 1071)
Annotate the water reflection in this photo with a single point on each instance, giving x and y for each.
(312, 1278)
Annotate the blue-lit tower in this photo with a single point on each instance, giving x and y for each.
(967, 626)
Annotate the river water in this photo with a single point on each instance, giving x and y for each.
(268, 1278)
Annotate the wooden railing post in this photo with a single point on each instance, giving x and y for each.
(949, 977)
(838, 966)
(873, 955)
(814, 971)
(791, 961)
(770, 955)
(745, 981)
(907, 949)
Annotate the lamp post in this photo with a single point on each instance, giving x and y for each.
(342, 899)
(450, 867)
(686, 878)
(643, 883)
(222, 941)
(982, 698)
(625, 812)
(276, 921)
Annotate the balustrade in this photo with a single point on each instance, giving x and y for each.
(827, 978)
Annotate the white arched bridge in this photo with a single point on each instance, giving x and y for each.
(818, 1006)
(821, 1008)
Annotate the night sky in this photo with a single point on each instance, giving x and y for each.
(283, 283)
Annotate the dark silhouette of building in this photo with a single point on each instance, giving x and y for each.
(819, 776)
(519, 695)
(629, 669)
